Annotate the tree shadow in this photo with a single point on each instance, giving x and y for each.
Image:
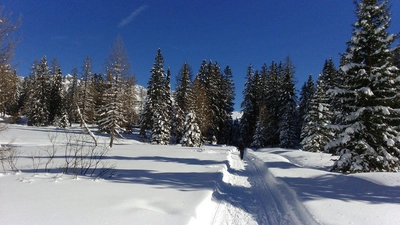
(342, 187)
(189, 161)
(183, 181)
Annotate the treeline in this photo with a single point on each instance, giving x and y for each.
(46, 97)
(199, 110)
(352, 111)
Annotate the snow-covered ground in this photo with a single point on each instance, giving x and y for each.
(155, 184)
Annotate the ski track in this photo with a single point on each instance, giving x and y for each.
(250, 194)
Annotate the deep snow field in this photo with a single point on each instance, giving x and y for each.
(154, 184)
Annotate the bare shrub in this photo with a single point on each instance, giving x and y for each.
(9, 157)
(81, 157)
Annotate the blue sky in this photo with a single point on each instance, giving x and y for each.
(234, 33)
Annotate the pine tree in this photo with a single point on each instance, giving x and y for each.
(162, 127)
(37, 107)
(368, 138)
(396, 56)
(183, 100)
(287, 123)
(329, 75)
(249, 108)
(100, 86)
(259, 138)
(214, 95)
(56, 100)
(228, 97)
(273, 104)
(306, 94)
(201, 106)
(315, 133)
(192, 133)
(156, 115)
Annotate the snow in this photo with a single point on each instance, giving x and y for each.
(171, 184)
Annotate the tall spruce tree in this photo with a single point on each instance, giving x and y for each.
(368, 138)
(287, 122)
(37, 107)
(213, 89)
(201, 106)
(228, 97)
(315, 133)
(306, 94)
(249, 108)
(273, 104)
(56, 99)
(183, 100)
(259, 138)
(156, 115)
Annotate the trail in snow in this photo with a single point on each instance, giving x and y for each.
(250, 194)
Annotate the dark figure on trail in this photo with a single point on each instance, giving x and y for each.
(241, 150)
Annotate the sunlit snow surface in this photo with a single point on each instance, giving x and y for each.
(155, 184)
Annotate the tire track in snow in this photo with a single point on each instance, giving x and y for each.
(264, 201)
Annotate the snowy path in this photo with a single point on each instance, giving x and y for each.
(250, 194)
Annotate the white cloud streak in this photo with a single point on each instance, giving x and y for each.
(132, 16)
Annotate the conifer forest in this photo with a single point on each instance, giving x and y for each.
(351, 110)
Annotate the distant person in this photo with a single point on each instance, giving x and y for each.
(241, 150)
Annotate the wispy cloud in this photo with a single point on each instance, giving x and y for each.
(132, 16)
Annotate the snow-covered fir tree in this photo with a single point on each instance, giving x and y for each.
(273, 103)
(259, 139)
(220, 94)
(315, 132)
(228, 97)
(184, 100)
(249, 108)
(161, 132)
(396, 56)
(192, 133)
(306, 94)
(56, 97)
(100, 86)
(287, 123)
(330, 76)
(201, 106)
(156, 115)
(37, 103)
(213, 89)
(368, 138)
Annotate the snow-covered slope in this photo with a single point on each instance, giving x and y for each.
(154, 184)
